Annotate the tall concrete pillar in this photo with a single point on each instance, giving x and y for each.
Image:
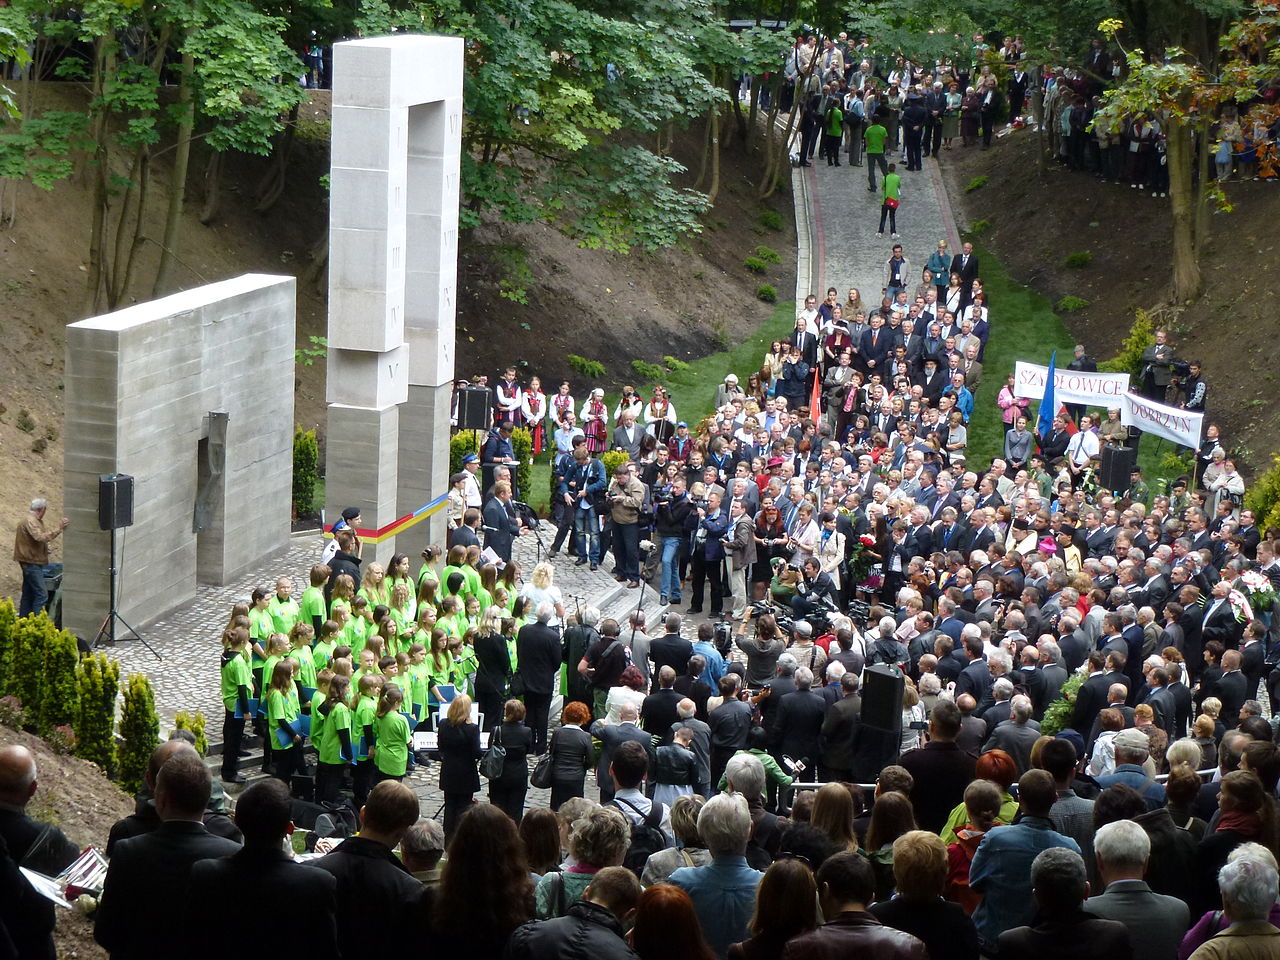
(393, 234)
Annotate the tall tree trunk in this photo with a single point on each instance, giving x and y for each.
(212, 188)
(1187, 281)
(1204, 163)
(706, 155)
(714, 189)
(103, 61)
(271, 188)
(178, 186)
(754, 115)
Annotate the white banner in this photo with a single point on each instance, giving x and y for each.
(1070, 386)
(1180, 426)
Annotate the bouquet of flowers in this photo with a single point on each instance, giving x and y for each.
(1240, 606)
(1262, 595)
(861, 561)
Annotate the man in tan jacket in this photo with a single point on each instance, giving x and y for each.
(741, 545)
(625, 497)
(31, 553)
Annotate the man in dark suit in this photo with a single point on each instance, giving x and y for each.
(256, 874)
(974, 679)
(501, 526)
(1061, 931)
(1253, 656)
(940, 769)
(1219, 621)
(612, 736)
(1053, 444)
(1161, 700)
(371, 880)
(660, 710)
(670, 649)
(875, 347)
(36, 845)
(538, 654)
(965, 263)
(1232, 689)
(797, 728)
(840, 731)
(1156, 922)
(466, 535)
(137, 911)
(1182, 698)
(1017, 735)
(1094, 693)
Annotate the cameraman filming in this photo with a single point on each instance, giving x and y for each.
(814, 588)
(671, 522)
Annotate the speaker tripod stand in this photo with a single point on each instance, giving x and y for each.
(107, 632)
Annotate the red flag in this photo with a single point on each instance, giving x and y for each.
(1072, 429)
(815, 412)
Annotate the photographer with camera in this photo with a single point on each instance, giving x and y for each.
(672, 510)
(707, 554)
(813, 590)
(624, 498)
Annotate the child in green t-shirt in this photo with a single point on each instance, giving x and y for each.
(283, 608)
(366, 709)
(342, 595)
(874, 138)
(464, 662)
(282, 716)
(390, 753)
(418, 680)
(402, 608)
(427, 573)
(312, 610)
(334, 744)
(261, 626)
(322, 652)
(277, 648)
(300, 638)
(439, 666)
(237, 685)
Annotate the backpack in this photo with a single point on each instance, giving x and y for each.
(647, 837)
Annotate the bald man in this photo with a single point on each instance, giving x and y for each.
(33, 844)
(145, 819)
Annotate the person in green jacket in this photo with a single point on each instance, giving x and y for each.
(833, 132)
(890, 196)
(874, 137)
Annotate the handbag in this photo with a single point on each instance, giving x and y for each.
(495, 758)
(541, 776)
(891, 203)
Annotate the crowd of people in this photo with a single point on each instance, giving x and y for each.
(1073, 753)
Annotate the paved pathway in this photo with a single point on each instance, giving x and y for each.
(844, 216)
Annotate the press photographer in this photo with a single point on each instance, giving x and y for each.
(706, 557)
(624, 498)
(814, 591)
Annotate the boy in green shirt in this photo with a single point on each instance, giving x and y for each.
(874, 137)
(237, 684)
(312, 609)
(890, 197)
(833, 133)
(283, 608)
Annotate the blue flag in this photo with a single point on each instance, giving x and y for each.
(1048, 408)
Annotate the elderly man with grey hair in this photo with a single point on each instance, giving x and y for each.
(31, 553)
(724, 891)
(422, 847)
(539, 655)
(686, 710)
(798, 726)
(1060, 930)
(1248, 887)
(1156, 922)
(1017, 735)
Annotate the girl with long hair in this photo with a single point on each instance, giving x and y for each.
(667, 927)
(390, 752)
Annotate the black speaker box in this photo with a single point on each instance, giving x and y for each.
(1117, 465)
(475, 408)
(882, 689)
(115, 501)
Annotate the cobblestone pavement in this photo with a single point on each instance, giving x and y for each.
(846, 217)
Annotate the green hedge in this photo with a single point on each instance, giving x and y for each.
(522, 445)
(306, 470)
(139, 729)
(59, 695)
(98, 679)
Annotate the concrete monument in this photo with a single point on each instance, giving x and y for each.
(393, 243)
(193, 396)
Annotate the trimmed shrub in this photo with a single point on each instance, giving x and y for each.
(306, 470)
(755, 265)
(59, 696)
(767, 292)
(8, 617)
(522, 446)
(1142, 334)
(674, 365)
(1070, 304)
(612, 460)
(28, 662)
(139, 729)
(770, 219)
(1263, 496)
(977, 183)
(1078, 260)
(646, 371)
(61, 740)
(195, 722)
(591, 369)
(98, 677)
(460, 444)
(768, 254)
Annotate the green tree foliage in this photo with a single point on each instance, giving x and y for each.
(59, 696)
(27, 660)
(306, 470)
(1142, 334)
(98, 678)
(139, 729)
(522, 446)
(1263, 496)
